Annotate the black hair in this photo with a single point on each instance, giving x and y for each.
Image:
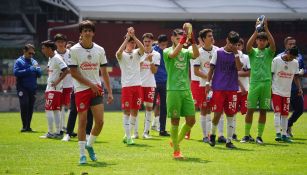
(59, 36)
(162, 38)
(203, 33)
(262, 35)
(28, 46)
(233, 37)
(87, 24)
(49, 44)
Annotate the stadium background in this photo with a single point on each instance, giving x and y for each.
(33, 21)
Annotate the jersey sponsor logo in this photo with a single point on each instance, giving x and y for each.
(145, 66)
(284, 74)
(260, 55)
(180, 65)
(89, 66)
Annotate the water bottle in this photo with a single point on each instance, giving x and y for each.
(209, 95)
(260, 24)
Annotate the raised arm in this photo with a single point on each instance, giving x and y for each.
(251, 41)
(131, 32)
(270, 37)
(121, 49)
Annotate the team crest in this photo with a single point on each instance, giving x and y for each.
(126, 104)
(20, 93)
(131, 56)
(180, 58)
(277, 108)
(286, 67)
(82, 106)
(89, 56)
(50, 95)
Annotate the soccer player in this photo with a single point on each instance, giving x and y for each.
(260, 79)
(179, 96)
(161, 77)
(284, 68)
(223, 72)
(129, 61)
(60, 41)
(201, 68)
(57, 70)
(296, 101)
(149, 65)
(86, 60)
(243, 85)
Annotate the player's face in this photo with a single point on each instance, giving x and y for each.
(240, 46)
(87, 33)
(45, 51)
(209, 40)
(290, 44)
(147, 42)
(176, 39)
(29, 53)
(261, 43)
(163, 45)
(131, 45)
(60, 44)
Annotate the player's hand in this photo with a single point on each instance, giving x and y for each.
(149, 57)
(301, 72)
(208, 88)
(110, 98)
(131, 31)
(95, 89)
(127, 36)
(300, 92)
(234, 48)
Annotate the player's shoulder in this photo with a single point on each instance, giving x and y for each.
(214, 48)
(96, 46)
(155, 53)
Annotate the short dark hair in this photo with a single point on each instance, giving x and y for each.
(59, 36)
(233, 37)
(203, 33)
(162, 38)
(87, 24)
(177, 32)
(49, 44)
(148, 35)
(28, 46)
(293, 51)
(262, 35)
(287, 39)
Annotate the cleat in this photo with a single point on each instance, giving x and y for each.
(125, 139)
(206, 140)
(23, 130)
(289, 132)
(251, 139)
(47, 136)
(230, 145)
(286, 139)
(246, 139)
(187, 136)
(221, 139)
(259, 141)
(130, 142)
(58, 136)
(212, 140)
(135, 136)
(278, 137)
(73, 134)
(146, 136)
(164, 133)
(66, 138)
(91, 153)
(235, 137)
(82, 160)
(177, 155)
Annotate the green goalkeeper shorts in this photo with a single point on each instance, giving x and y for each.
(180, 104)
(259, 94)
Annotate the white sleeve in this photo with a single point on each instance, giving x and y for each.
(297, 70)
(248, 65)
(156, 59)
(72, 58)
(61, 63)
(103, 58)
(273, 68)
(196, 62)
(214, 58)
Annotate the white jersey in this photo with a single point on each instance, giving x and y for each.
(55, 66)
(193, 76)
(67, 81)
(147, 77)
(204, 62)
(88, 62)
(283, 76)
(246, 66)
(130, 68)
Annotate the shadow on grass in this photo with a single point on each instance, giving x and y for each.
(234, 149)
(192, 159)
(298, 139)
(139, 145)
(281, 144)
(96, 164)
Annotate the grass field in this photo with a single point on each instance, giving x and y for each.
(26, 153)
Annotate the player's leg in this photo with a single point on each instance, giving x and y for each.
(264, 105)
(284, 121)
(277, 104)
(220, 128)
(126, 106)
(148, 99)
(82, 115)
(217, 107)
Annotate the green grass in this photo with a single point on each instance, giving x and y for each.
(25, 153)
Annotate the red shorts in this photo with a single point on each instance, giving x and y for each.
(84, 99)
(281, 104)
(66, 96)
(148, 94)
(204, 104)
(131, 98)
(53, 100)
(224, 101)
(242, 103)
(196, 93)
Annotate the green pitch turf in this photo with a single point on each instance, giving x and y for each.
(26, 153)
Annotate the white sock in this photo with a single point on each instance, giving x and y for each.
(62, 121)
(221, 126)
(157, 118)
(57, 120)
(284, 125)
(213, 130)
(155, 121)
(209, 123)
(147, 121)
(277, 122)
(132, 123)
(234, 124)
(49, 115)
(126, 124)
(91, 140)
(229, 128)
(203, 124)
(82, 147)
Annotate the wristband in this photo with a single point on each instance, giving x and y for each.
(208, 83)
(183, 39)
